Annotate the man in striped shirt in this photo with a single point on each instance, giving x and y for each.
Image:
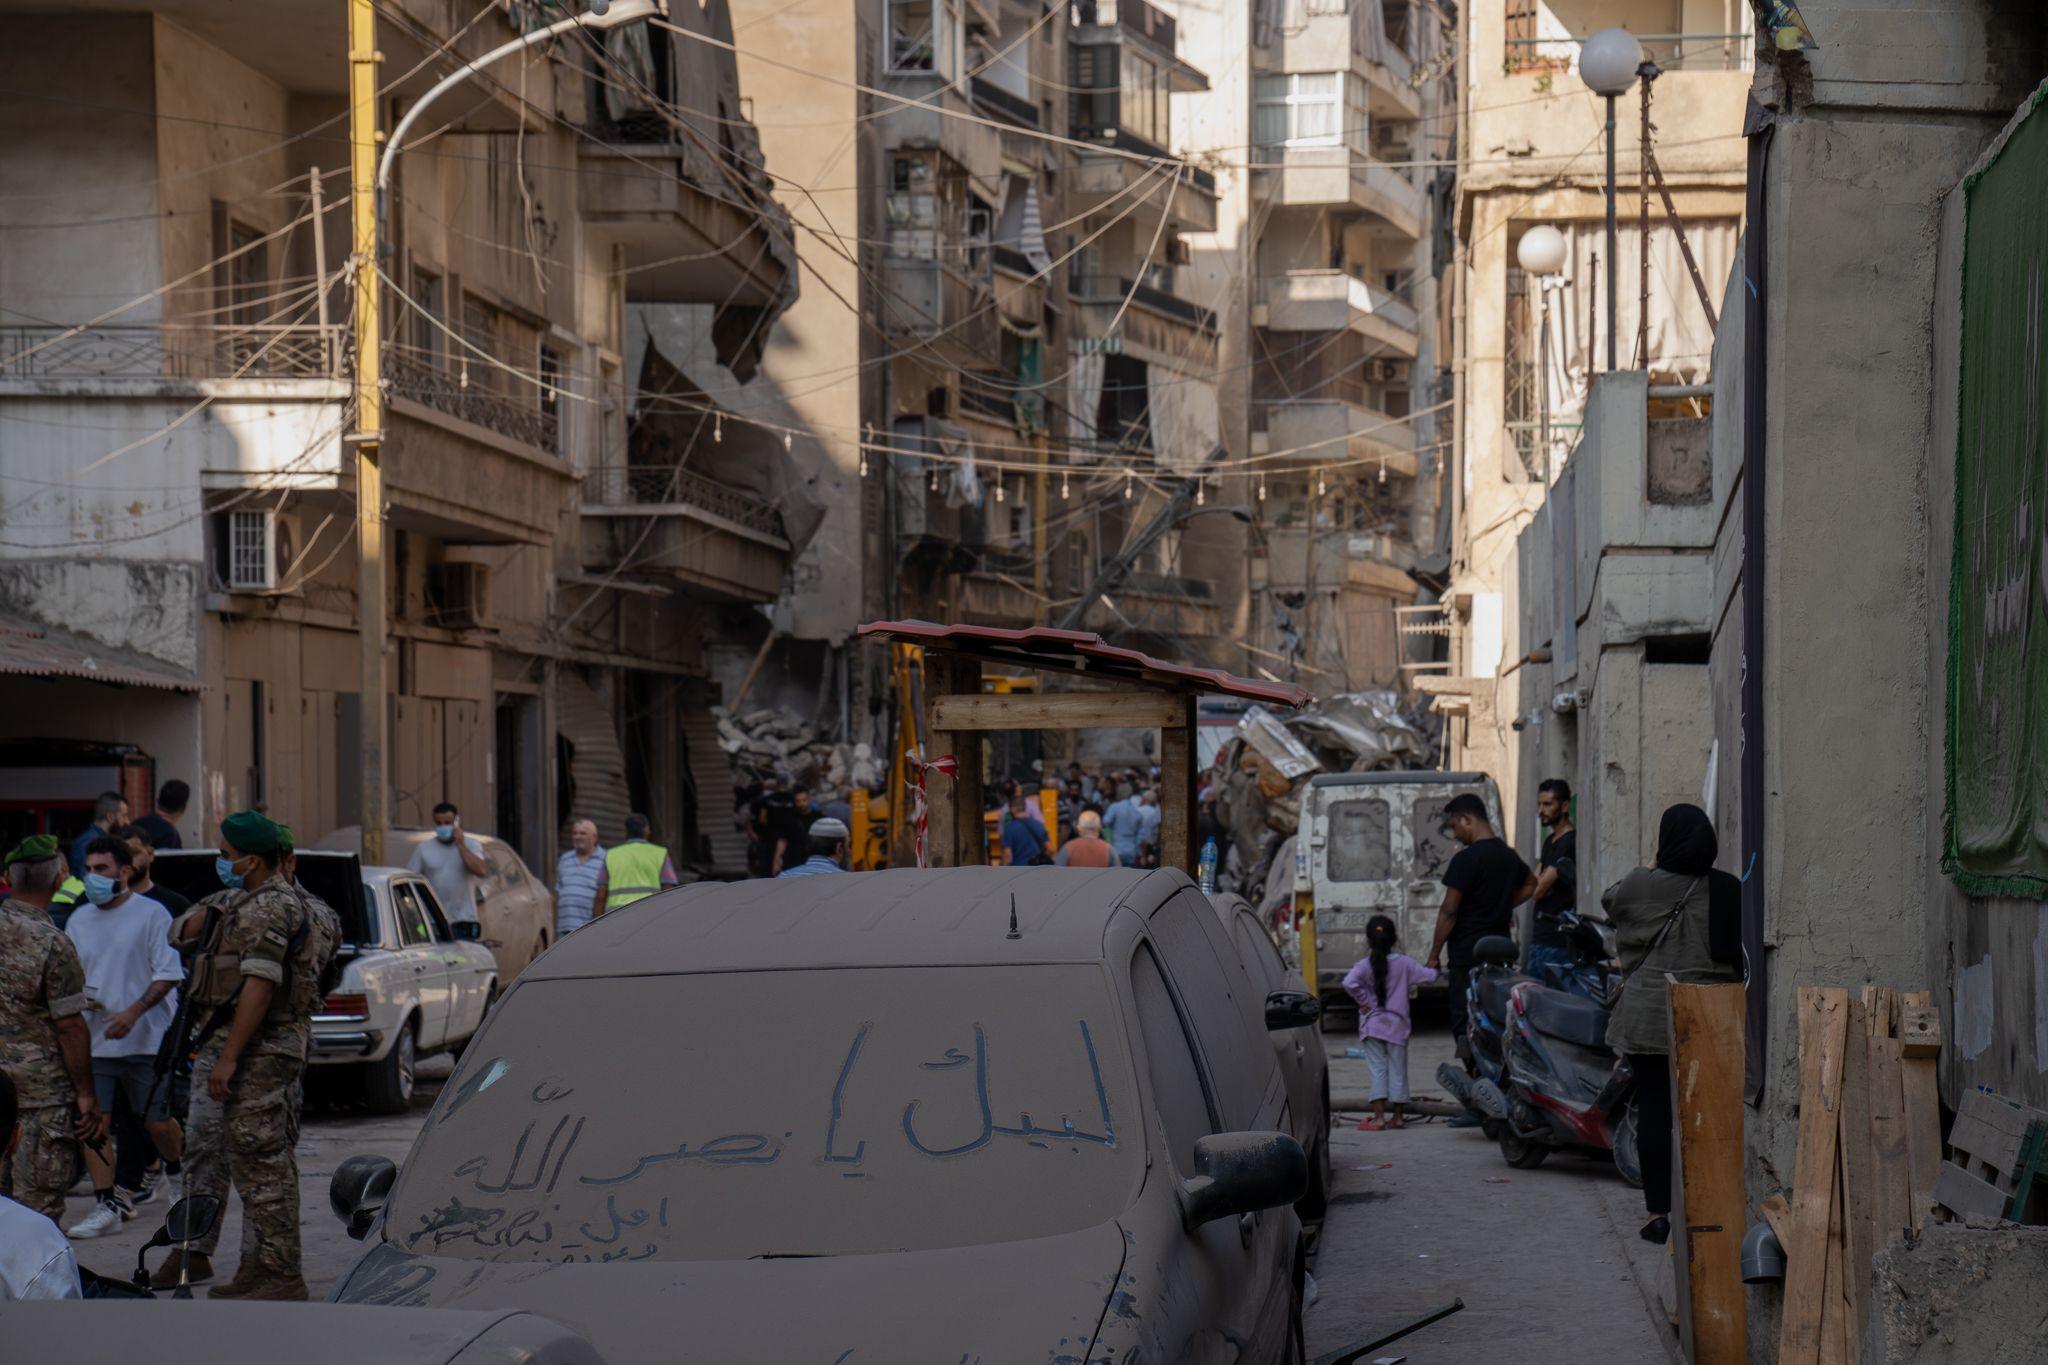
(580, 881)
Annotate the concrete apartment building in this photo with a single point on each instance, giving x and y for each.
(566, 548)
(1534, 148)
(1332, 126)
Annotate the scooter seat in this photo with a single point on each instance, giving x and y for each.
(1571, 1018)
(1493, 993)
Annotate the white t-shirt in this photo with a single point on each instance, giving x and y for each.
(35, 1258)
(441, 864)
(123, 950)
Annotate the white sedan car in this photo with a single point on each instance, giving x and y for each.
(408, 986)
(409, 989)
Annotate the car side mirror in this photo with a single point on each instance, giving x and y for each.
(1291, 1009)
(466, 929)
(1240, 1173)
(190, 1219)
(358, 1190)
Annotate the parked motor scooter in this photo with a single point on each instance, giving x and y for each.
(1564, 1087)
(1494, 976)
(188, 1220)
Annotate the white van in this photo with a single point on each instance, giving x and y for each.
(1378, 845)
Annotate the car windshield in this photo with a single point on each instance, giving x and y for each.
(793, 1113)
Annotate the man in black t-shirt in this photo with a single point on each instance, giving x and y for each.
(1557, 877)
(1484, 883)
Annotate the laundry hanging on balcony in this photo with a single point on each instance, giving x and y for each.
(1183, 418)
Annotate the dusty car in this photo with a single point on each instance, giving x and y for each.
(996, 1114)
(515, 909)
(1299, 1050)
(408, 986)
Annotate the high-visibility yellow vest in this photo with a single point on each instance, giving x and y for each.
(632, 872)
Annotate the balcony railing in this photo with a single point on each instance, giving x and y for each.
(1004, 105)
(479, 401)
(988, 398)
(674, 486)
(1010, 259)
(1671, 52)
(1112, 289)
(154, 351)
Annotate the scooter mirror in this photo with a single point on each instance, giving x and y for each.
(190, 1219)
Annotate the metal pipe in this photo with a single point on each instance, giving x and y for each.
(1681, 390)
(1613, 277)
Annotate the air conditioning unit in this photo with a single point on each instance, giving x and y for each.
(1386, 371)
(458, 595)
(256, 547)
(1178, 252)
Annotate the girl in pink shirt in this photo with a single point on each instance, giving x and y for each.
(1381, 984)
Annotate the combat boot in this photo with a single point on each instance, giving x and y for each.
(197, 1267)
(261, 1287)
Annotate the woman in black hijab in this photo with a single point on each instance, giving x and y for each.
(1683, 918)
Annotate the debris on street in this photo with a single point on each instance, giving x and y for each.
(764, 741)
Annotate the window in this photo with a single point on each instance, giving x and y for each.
(1258, 953)
(924, 35)
(1360, 850)
(414, 928)
(1310, 109)
(927, 207)
(252, 561)
(1177, 1087)
(429, 292)
(1146, 109)
(248, 275)
(1227, 1014)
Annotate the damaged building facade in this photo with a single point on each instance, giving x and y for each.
(571, 264)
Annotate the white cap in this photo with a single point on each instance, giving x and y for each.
(829, 828)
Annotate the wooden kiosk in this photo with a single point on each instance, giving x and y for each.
(1143, 693)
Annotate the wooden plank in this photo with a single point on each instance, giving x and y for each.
(1177, 790)
(1891, 1174)
(1823, 1014)
(1778, 1214)
(1920, 1092)
(1834, 1319)
(1059, 711)
(1858, 1220)
(1707, 1057)
(1965, 1196)
(954, 833)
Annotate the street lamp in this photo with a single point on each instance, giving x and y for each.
(1541, 254)
(1607, 64)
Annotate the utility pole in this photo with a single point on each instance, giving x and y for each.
(368, 436)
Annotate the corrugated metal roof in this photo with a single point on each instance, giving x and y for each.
(1080, 651)
(38, 651)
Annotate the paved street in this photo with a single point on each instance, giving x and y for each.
(1546, 1260)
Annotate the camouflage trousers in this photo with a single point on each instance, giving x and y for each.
(46, 1162)
(251, 1142)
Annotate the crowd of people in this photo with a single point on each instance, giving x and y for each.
(149, 1039)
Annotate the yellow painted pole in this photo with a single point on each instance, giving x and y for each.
(1049, 811)
(368, 435)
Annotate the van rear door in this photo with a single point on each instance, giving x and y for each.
(1355, 869)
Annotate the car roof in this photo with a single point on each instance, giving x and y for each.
(905, 917)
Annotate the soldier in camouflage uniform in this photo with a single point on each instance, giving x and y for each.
(258, 974)
(45, 1048)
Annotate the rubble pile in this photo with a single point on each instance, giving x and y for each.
(1260, 774)
(767, 742)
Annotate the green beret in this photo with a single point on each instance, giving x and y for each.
(286, 840)
(252, 832)
(34, 849)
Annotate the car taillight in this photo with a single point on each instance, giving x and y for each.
(357, 1006)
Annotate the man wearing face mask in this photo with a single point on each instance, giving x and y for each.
(255, 985)
(130, 972)
(449, 862)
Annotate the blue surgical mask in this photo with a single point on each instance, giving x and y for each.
(225, 870)
(445, 833)
(100, 889)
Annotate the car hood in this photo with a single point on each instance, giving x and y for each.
(1040, 1300)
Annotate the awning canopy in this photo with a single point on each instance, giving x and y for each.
(38, 651)
(1083, 652)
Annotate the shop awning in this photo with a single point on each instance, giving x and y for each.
(37, 651)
